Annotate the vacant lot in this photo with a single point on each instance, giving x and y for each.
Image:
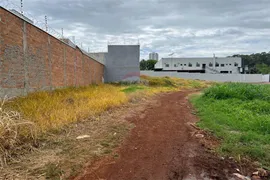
(75, 132)
(40, 133)
(239, 115)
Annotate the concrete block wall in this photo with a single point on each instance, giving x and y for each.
(266, 78)
(249, 78)
(32, 60)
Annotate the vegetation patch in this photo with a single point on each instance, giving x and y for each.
(239, 114)
(171, 82)
(51, 122)
(133, 88)
(53, 110)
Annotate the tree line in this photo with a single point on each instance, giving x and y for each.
(258, 63)
(147, 64)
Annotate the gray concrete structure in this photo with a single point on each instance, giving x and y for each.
(122, 62)
(99, 56)
(249, 78)
(212, 65)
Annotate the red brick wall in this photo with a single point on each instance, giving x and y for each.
(31, 59)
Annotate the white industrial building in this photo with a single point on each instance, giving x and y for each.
(213, 65)
(153, 56)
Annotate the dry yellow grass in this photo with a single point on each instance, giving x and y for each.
(52, 110)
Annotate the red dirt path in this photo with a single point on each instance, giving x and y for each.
(163, 146)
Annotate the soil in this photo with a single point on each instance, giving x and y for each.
(165, 145)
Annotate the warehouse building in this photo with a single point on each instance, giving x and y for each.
(213, 65)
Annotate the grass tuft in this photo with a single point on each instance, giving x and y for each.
(13, 128)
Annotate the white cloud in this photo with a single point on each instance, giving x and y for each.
(186, 27)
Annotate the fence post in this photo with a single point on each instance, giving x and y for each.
(50, 62)
(25, 59)
(65, 66)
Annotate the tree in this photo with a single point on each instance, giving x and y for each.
(151, 64)
(257, 63)
(263, 68)
(143, 64)
(147, 65)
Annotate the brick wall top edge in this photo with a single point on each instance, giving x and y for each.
(3, 9)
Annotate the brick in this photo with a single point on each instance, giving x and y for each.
(44, 62)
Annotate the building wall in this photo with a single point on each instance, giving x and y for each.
(100, 56)
(153, 56)
(183, 64)
(210, 77)
(31, 60)
(122, 63)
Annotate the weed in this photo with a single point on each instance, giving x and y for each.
(133, 88)
(115, 156)
(239, 115)
(13, 129)
(171, 82)
(107, 151)
(53, 171)
(239, 91)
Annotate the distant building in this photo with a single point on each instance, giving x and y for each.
(213, 65)
(153, 56)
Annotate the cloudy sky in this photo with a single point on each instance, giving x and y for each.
(188, 28)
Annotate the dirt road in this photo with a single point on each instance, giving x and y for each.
(162, 146)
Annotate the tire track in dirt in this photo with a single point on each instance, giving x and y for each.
(162, 146)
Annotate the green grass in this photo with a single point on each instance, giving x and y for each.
(239, 114)
(133, 88)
